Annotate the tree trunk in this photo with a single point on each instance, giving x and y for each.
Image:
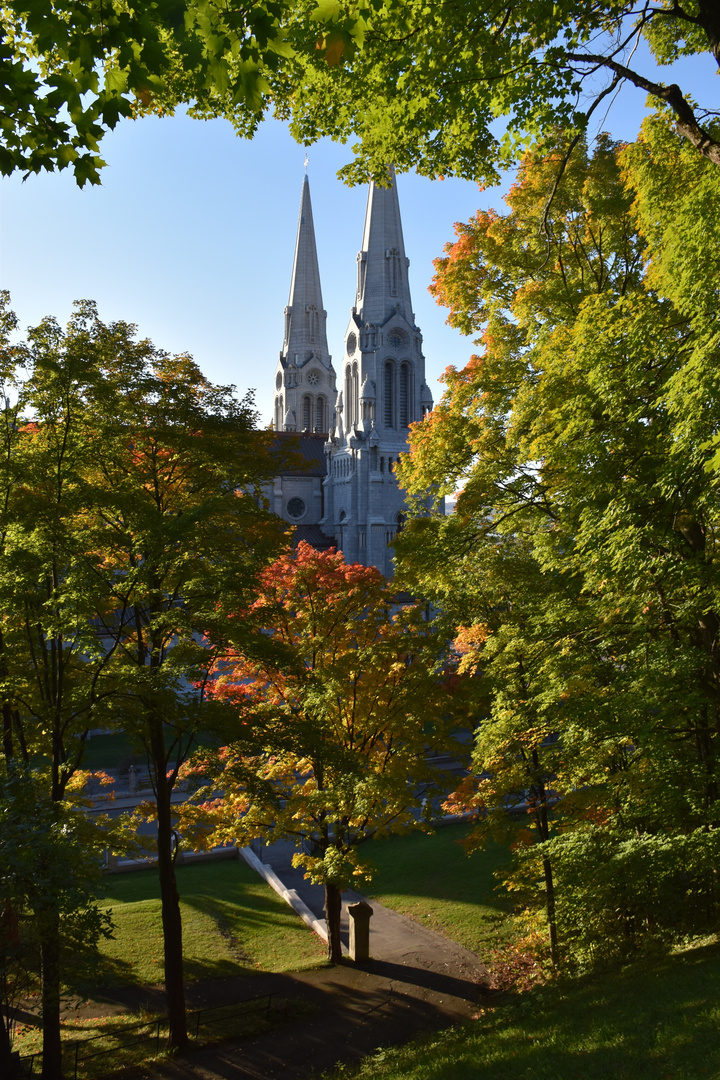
(333, 909)
(50, 959)
(550, 909)
(7, 724)
(170, 900)
(7, 1063)
(9, 935)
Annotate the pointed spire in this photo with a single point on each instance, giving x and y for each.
(383, 285)
(305, 316)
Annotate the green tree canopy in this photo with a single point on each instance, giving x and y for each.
(72, 70)
(133, 526)
(453, 88)
(464, 87)
(581, 561)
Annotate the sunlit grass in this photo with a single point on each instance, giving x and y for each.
(652, 1022)
(433, 880)
(233, 924)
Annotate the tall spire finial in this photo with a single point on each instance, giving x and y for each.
(306, 162)
(383, 286)
(304, 315)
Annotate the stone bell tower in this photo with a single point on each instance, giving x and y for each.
(382, 391)
(304, 377)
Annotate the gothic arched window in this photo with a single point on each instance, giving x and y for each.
(320, 414)
(356, 394)
(307, 412)
(348, 398)
(279, 417)
(389, 394)
(405, 392)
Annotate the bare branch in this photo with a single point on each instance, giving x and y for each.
(687, 123)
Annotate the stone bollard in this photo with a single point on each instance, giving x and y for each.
(360, 915)
(132, 779)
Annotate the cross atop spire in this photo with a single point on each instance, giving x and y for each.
(383, 285)
(305, 316)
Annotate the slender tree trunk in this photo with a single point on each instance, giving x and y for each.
(7, 725)
(7, 1064)
(170, 899)
(550, 910)
(333, 909)
(9, 937)
(50, 959)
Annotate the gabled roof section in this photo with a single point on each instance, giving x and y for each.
(313, 535)
(305, 452)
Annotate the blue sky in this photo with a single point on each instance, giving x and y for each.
(191, 237)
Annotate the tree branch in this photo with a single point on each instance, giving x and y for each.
(687, 123)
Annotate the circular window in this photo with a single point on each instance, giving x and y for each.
(396, 339)
(296, 508)
(351, 344)
(313, 378)
(278, 379)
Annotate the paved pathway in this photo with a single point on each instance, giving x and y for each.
(416, 981)
(394, 939)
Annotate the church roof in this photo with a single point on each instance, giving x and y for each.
(307, 450)
(313, 535)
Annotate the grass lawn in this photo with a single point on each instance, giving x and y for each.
(233, 924)
(113, 749)
(657, 1021)
(431, 879)
(107, 751)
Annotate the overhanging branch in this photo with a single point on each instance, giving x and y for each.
(687, 123)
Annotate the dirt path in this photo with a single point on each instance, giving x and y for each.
(417, 981)
(355, 1010)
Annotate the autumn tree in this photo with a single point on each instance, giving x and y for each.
(580, 560)
(136, 528)
(334, 730)
(184, 535)
(50, 919)
(53, 667)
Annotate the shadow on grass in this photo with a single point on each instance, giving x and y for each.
(439, 983)
(233, 925)
(649, 1022)
(108, 971)
(237, 921)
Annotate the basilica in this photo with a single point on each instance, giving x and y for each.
(348, 430)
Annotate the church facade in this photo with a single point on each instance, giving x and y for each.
(358, 419)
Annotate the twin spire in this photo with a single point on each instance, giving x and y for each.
(305, 317)
(382, 287)
(305, 381)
